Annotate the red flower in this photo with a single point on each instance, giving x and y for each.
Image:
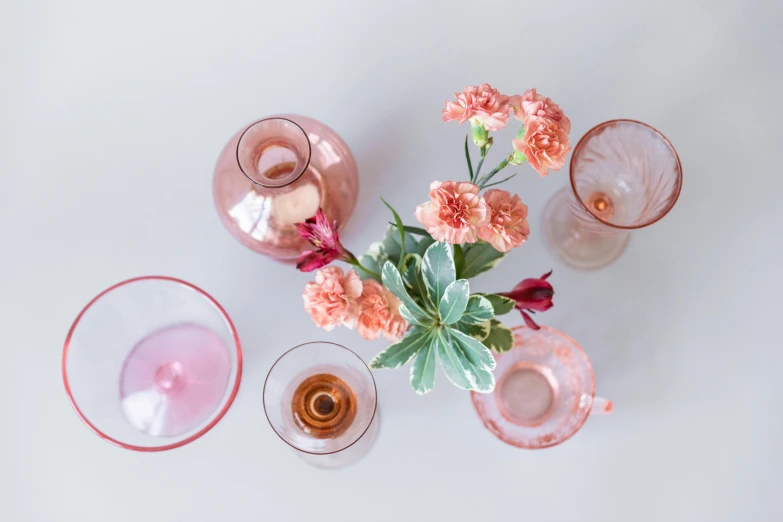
(323, 235)
(532, 295)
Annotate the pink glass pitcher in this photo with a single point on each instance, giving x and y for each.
(545, 391)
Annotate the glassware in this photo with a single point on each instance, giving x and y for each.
(320, 398)
(544, 393)
(152, 363)
(624, 175)
(277, 172)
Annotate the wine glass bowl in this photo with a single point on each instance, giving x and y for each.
(320, 398)
(152, 363)
(624, 175)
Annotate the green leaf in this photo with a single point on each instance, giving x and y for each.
(403, 350)
(478, 310)
(456, 365)
(424, 244)
(477, 353)
(393, 281)
(459, 258)
(414, 279)
(390, 245)
(500, 338)
(400, 228)
(467, 157)
(479, 257)
(371, 263)
(454, 301)
(413, 230)
(501, 304)
(438, 269)
(478, 331)
(418, 320)
(423, 368)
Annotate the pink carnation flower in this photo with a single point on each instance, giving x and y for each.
(533, 104)
(455, 212)
(545, 144)
(332, 299)
(482, 104)
(379, 313)
(508, 227)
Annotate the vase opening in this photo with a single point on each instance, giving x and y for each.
(273, 152)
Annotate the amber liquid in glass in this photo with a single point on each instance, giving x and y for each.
(324, 406)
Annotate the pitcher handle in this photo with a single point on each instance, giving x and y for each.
(601, 406)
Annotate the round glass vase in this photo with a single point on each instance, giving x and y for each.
(277, 172)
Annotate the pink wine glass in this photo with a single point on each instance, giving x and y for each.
(320, 398)
(152, 363)
(624, 175)
(544, 393)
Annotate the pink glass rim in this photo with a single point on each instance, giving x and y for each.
(293, 178)
(664, 138)
(193, 437)
(374, 409)
(576, 427)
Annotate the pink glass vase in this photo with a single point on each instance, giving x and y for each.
(152, 363)
(624, 175)
(544, 393)
(278, 171)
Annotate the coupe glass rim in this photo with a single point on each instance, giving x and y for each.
(293, 178)
(196, 435)
(598, 127)
(577, 427)
(374, 409)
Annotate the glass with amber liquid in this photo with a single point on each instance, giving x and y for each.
(320, 398)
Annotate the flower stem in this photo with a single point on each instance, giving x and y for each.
(355, 262)
(503, 164)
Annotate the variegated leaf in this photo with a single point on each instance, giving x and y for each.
(500, 338)
(478, 331)
(479, 310)
(458, 368)
(423, 368)
(477, 353)
(479, 257)
(438, 269)
(403, 350)
(393, 281)
(501, 304)
(454, 301)
(416, 320)
(414, 279)
(424, 243)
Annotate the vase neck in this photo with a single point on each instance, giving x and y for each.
(273, 152)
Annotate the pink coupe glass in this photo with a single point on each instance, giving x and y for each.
(624, 175)
(320, 398)
(278, 171)
(152, 363)
(544, 393)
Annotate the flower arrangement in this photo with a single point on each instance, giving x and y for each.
(413, 287)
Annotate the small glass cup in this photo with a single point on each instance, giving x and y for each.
(545, 391)
(624, 175)
(321, 399)
(152, 363)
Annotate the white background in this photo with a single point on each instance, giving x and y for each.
(113, 114)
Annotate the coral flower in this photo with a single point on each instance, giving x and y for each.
(333, 298)
(544, 144)
(379, 313)
(508, 226)
(481, 104)
(534, 104)
(454, 213)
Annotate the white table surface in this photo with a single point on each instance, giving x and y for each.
(113, 114)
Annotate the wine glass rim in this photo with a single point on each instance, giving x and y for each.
(577, 427)
(203, 430)
(374, 409)
(302, 170)
(595, 129)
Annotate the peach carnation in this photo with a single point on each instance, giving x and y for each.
(481, 104)
(545, 144)
(508, 226)
(332, 299)
(534, 104)
(379, 313)
(454, 213)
